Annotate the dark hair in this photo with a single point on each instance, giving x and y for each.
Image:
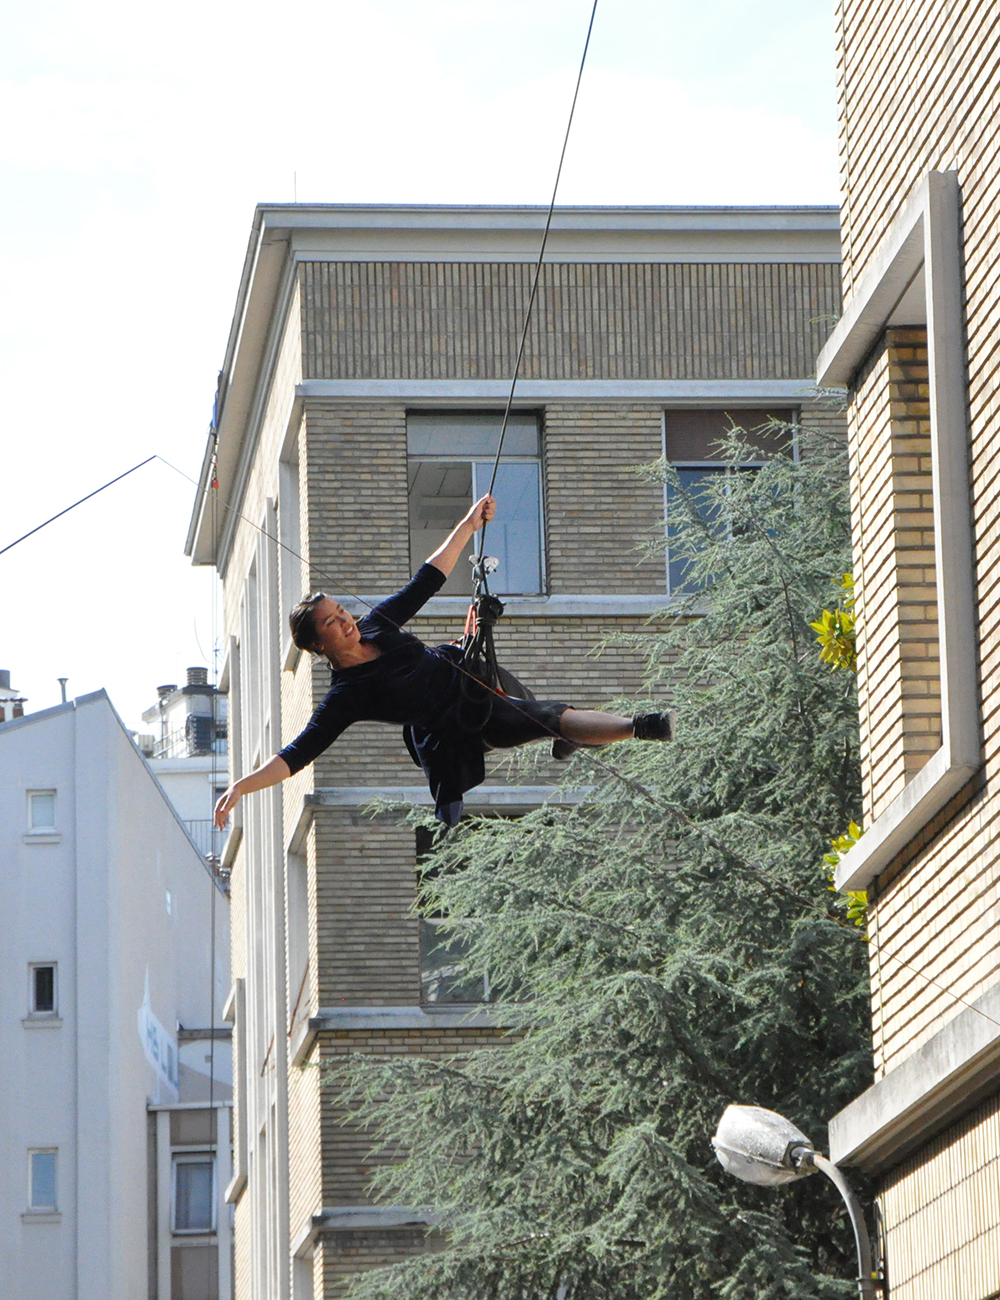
(302, 621)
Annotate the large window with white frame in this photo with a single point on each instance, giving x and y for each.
(692, 441)
(450, 461)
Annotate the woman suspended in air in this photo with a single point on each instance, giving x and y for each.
(382, 674)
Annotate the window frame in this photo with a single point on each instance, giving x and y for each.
(34, 1012)
(48, 1207)
(925, 237)
(710, 465)
(205, 1155)
(32, 795)
(538, 459)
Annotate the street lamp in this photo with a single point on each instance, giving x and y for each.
(763, 1147)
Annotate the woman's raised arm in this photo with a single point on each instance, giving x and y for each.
(447, 554)
(270, 773)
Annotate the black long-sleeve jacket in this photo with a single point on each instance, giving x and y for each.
(410, 684)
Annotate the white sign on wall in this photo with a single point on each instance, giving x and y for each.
(159, 1046)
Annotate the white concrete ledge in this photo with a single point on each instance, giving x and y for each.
(359, 1218)
(391, 1019)
(569, 606)
(943, 1079)
(928, 792)
(450, 1016)
(752, 392)
(483, 799)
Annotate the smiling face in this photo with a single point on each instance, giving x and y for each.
(337, 633)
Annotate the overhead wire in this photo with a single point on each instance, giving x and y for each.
(538, 272)
(117, 479)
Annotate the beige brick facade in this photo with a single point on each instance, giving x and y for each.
(919, 87)
(323, 892)
(898, 669)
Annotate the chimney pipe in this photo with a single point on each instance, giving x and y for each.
(62, 686)
(197, 677)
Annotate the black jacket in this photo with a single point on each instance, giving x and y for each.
(413, 685)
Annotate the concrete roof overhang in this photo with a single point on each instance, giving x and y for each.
(286, 234)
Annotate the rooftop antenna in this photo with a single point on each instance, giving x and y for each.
(62, 686)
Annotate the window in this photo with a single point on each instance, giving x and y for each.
(194, 1193)
(42, 989)
(41, 810)
(691, 445)
(443, 977)
(42, 1180)
(450, 464)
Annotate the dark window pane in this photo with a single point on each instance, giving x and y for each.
(45, 988)
(695, 435)
(694, 485)
(442, 974)
(193, 1205)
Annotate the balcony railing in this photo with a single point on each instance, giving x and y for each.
(208, 839)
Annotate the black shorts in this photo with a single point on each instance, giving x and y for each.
(518, 722)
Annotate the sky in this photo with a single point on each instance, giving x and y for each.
(137, 140)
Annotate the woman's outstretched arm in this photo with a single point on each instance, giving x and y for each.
(273, 771)
(447, 554)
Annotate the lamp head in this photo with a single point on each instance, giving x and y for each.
(762, 1147)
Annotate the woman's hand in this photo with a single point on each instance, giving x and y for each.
(481, 513)
(273, 771)
(227, 802)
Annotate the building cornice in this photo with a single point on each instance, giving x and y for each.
(658, 392)
(484, 799)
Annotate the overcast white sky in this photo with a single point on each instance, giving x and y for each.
(138, 138)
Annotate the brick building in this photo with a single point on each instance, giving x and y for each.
(917, 347)
(358, 404)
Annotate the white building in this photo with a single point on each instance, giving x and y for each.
(11, 701)
(116, 1085)
(187, 751)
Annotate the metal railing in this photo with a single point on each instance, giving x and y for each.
(206, 837)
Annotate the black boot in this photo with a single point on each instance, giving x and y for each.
(654, 726)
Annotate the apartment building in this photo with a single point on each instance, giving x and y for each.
(917, 348)
(186, 752)
(357, 414)
(117, 1085)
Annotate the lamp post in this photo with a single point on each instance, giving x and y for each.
(763, 1147)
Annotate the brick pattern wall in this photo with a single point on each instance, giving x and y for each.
(898, 662)
(940, 1214)
(342, 1253)
(356, 513)
(368, 951)
(426, 320)
(598, 511)
(348, 1161)
(919, 88)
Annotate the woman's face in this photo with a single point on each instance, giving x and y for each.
(336, 630)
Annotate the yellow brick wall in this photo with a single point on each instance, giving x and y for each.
(919, 90)
(893, 518)
(453, 320)
(940, 1212)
